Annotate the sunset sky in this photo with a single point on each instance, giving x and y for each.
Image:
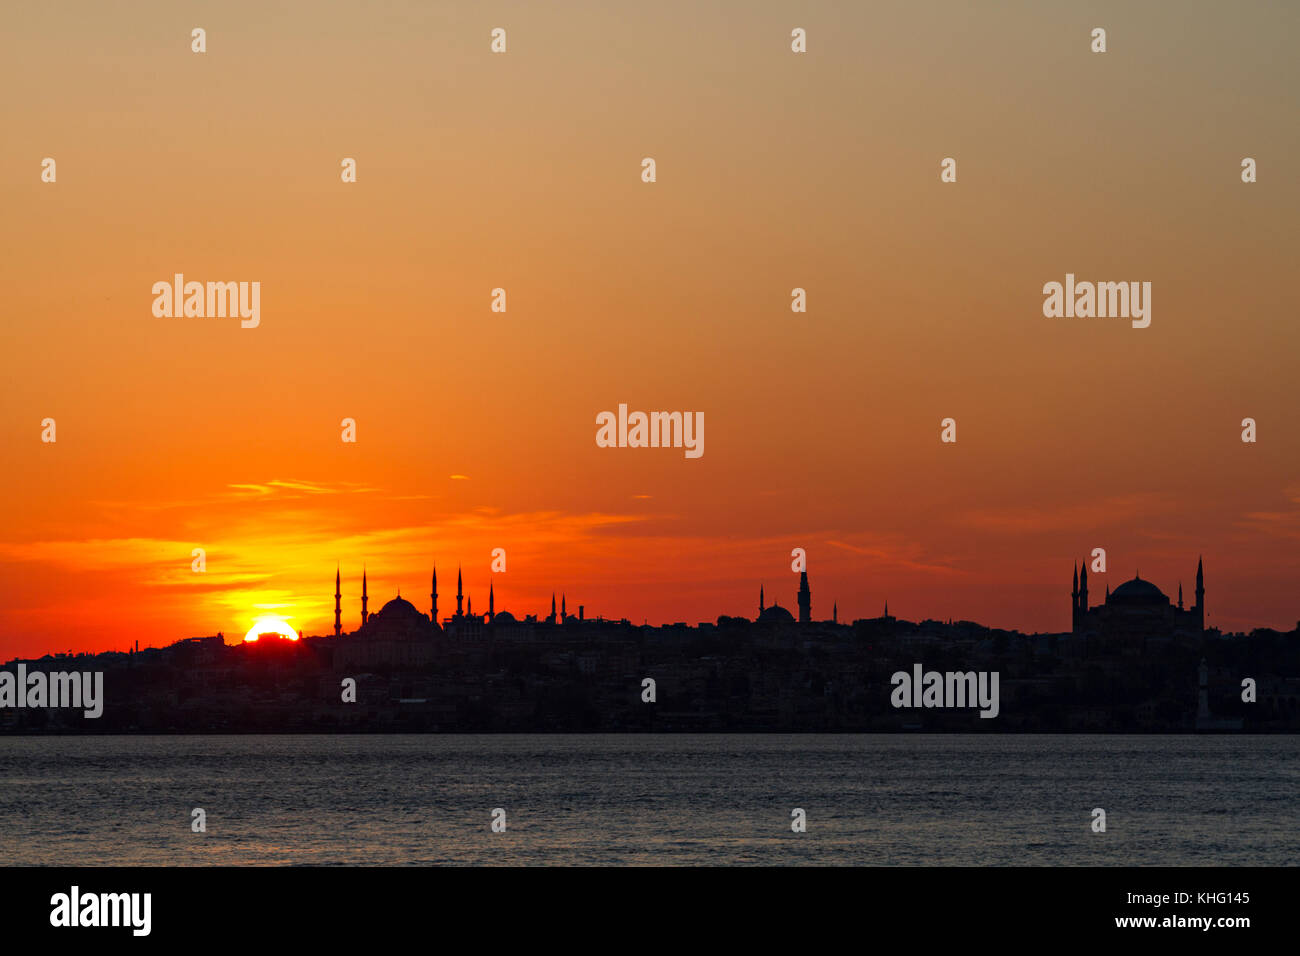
(775, 170)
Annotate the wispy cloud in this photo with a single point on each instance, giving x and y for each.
(1279, 523)
(893, 553)
(298, 489)
(1077, 516)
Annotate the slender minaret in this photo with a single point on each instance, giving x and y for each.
(564, 611)
(835, 613)
(805, 599)
(1074, 599)
(469, 608)
(1199, 609)
(1180, 595)
(433, 596)
(338, 606)
(1083, 590)
(365, 614)
(551, 619)
(492, 603)
(760, 600)
(460, 596)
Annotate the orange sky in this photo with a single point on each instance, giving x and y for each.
(523, 171)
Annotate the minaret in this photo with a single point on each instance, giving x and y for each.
(805, 599)
(1180, 595)
(492, 603)
(469, 608)
(365, 615)
(433, 596)
(1074, 599)
(338, 607)
(886, 609)
(564, 614)
(459, 593)
(551, 619)
(760, 600)
(1083, 590)
(1199, 608)
(835, 613)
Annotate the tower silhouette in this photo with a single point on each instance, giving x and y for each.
(1074, 599)
(338, 606)
(1199, 609)
(805, 599)
(433, 596)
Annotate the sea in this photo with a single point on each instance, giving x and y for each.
(638, 800)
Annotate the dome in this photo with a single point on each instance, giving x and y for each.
(505, 617)
(399, 618)
(397, 609)
(776, 614)
(1138, 591)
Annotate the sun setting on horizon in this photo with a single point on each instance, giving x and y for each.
(270, 625)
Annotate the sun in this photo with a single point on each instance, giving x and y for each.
(270, 625)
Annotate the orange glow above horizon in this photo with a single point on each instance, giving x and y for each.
(475, 429)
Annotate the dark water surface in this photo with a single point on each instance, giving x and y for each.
(661, 799)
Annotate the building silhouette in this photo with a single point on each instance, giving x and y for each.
(1135, 615)
(1128, 664)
